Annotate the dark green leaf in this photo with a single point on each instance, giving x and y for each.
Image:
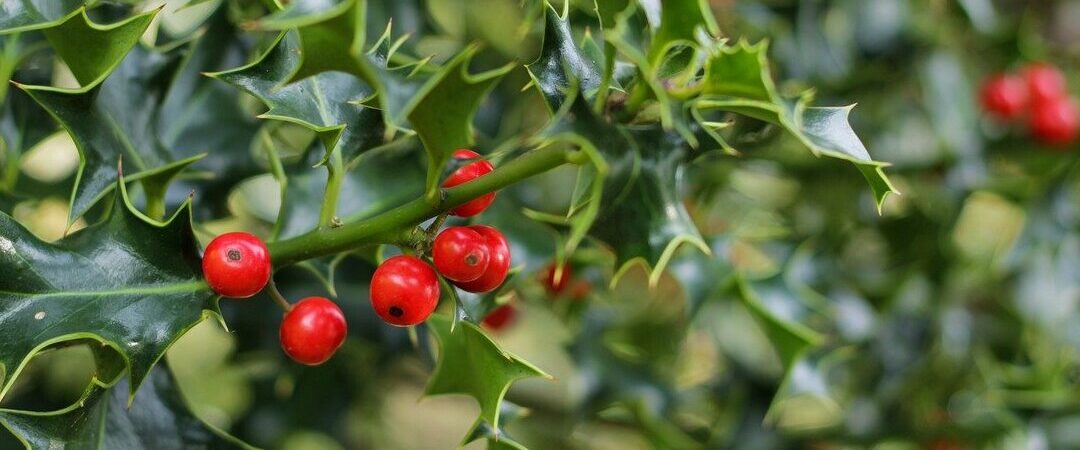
(562, 64)
(132, 284)
(114, 120)
(325, 103)
(158, 419)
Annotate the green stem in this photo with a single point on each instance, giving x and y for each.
(387, 227)
(335, 174)
(271, 288)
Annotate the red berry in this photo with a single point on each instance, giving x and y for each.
(499, 318)
(556, 286)
(467, 173)
(498, 261)
(236, 265)
(1044, 82)
(312, 330)
(1004, 96)
(1055, 122)
(404, 291)
(460, 254)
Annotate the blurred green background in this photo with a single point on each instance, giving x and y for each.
(948, 321)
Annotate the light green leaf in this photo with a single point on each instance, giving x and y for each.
(470, 363)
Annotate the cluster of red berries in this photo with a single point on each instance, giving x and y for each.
(404, 289)
(237, 265)
(1037, 95)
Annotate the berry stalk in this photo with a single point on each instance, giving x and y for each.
(385, 227)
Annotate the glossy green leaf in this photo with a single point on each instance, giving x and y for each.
(325, 103)
(158, 418)
(114, 120)
(562, 64)
(444, 113)
(789, 337)
(19, 15)
(737, 78)
(90, 50)
(132, 284)
(470, 363)
(679, 21)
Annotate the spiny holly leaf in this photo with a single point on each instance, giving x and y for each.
(610, 150)
(20, 15)
(23, 124)
(650, 222)
(496, 437)
(159, 419)
(335, 39)
(561, 63)
(200, 114)
(737, 79)
(789, 336)
(298, 13)
(631, 199)
(470, 363)
(679, 22)
(445, 108)
(132, 284)
(113, 120)
(90, 50)
(325, 103)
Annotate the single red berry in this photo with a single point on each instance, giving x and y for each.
(501, 317)
(312, 330)
(236, 265)
(460, 254)
(1004, 96)
(555, 285)
(404, 291)
(498, 261)
(1044, 82)
(1055, 122)
(467, 173)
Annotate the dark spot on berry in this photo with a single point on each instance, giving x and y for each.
(233, 255)
(396, 312)
(472, 259)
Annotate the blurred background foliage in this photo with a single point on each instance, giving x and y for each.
(948, 321)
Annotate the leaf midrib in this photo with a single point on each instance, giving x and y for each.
(191, 286)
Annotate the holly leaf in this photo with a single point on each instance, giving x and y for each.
(445, 108)
(737, 79)
(21, 15)
(679, 22)
(325, 103)
(298, 13)
(113, 120)
(650, 222)
(159, 419)
(562, 63)
(133, 284)
(470, 363)
(788, 335)
(631, 196)
(497, 438)
(200, 114)
(90, 50)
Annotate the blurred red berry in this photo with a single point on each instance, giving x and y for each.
(555, 285)
(1055, 122)
(1004, 96)
(1044, 82)
(501, 317)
